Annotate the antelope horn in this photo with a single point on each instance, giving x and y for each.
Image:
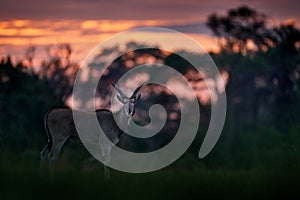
(119, 90)
(136, 90)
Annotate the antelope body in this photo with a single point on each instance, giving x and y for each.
(59, 126)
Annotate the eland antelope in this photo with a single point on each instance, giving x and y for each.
(60, 127)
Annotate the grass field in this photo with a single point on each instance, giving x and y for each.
(20, 179)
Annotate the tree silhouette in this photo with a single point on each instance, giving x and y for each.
(239, 28)
(287, 36)
(58, 70)
(24, 99)
(264, 83)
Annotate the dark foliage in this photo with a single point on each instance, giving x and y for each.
(24, 99)
(262, 124)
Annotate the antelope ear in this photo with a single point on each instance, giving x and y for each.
(122, 100)
(137, 98)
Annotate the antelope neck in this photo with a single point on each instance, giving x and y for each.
(123, 119)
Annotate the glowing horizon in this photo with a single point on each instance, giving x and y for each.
(82, 35)
(84, 24)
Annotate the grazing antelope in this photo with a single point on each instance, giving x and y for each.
(60, 127)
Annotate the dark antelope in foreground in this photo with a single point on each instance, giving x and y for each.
(60, 127)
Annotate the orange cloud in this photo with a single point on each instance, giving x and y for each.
(21, 23)
(83, 35)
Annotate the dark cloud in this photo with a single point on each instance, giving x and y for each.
(135, 9)
(23, 36)
(198, 28)
(193, 28)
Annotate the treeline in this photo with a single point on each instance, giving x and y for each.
(262, 127)
(27, 94)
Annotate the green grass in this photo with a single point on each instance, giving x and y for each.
(20, 179)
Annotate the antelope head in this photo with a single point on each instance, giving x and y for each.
(129, 102)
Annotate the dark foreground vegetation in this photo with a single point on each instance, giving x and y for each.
(257, 156)
(169, 183)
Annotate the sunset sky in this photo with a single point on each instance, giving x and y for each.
(84, 24)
